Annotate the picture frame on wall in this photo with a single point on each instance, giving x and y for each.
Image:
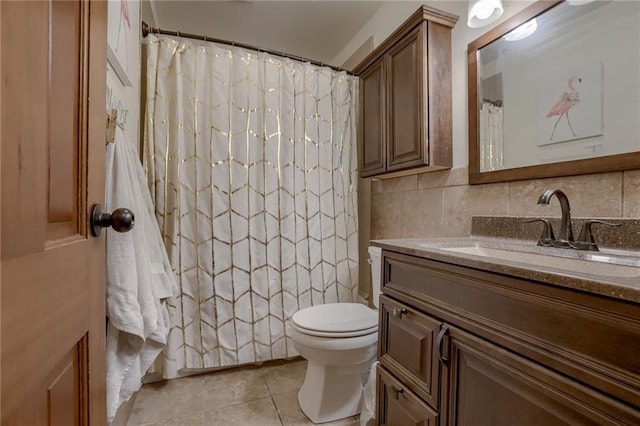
(570, 106)
(123, 17)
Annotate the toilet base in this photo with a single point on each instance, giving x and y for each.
(330, 393)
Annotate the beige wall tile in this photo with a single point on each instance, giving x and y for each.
(386, 215)
(364, 234)
(597, 195)
(400, 212)
(631, 194)
(403, 183)
(463, 202)
(377, 185)
(422, 213)
(444, 178)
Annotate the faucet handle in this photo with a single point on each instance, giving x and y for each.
(546, 238)
(586, 236)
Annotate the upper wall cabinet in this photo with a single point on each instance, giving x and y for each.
(405, 98)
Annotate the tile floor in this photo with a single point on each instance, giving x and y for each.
(261, 396)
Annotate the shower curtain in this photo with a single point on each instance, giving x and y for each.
(251, 162)
(491, 137)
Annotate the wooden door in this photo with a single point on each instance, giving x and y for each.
(407, 115)
(373, 139)
(490, 386)
(52, 147)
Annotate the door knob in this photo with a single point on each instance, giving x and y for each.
(121, 220)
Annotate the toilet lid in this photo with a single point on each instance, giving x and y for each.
(344, 319)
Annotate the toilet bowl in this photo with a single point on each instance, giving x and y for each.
(339, 341)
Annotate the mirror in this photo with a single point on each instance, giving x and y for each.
(554, 91)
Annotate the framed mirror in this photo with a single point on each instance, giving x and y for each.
(555, 91)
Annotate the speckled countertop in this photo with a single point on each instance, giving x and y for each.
(609, 272)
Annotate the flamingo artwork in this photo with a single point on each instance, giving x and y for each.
(568, 100)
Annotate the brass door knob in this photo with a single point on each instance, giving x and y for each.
(121, 220)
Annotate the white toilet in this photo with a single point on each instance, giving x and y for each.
(339, 341)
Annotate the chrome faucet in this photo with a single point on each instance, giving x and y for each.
(565, 237)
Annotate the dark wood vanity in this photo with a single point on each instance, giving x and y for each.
(464, 346)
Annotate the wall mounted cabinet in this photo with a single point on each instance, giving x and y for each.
(405, 98)
(460, 346)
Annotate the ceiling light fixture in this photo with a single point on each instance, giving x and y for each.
(523, 31)
(483, 12)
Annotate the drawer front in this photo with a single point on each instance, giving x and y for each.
(398, 406)
(592, 338)
(407, 340)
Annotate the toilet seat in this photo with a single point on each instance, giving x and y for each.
(337, 320)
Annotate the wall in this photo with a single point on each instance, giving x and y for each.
(126, 98)
(441, 204)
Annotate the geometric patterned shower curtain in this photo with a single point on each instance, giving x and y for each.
(251, 162)
(491, 137)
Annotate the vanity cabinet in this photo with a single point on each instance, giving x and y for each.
(481, 348)
(405, 98)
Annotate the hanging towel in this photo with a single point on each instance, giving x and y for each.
(139, 278)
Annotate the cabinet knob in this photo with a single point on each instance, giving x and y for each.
(399, 312)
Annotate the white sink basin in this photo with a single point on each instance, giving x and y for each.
(600, 264)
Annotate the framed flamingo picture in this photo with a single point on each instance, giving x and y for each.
(122, 37)
(569, 107)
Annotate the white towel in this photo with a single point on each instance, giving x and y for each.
(139, 278)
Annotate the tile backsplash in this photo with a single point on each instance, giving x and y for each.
(441, 204)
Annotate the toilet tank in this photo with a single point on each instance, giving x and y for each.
(375, 256)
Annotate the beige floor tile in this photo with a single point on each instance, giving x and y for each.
(285, 378)
(193, 420)
(291, 414)
(173, 399)
(229, 387)
(261, 412)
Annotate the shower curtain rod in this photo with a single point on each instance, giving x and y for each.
(146, 30)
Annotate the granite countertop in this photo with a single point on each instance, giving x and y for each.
(609, 272)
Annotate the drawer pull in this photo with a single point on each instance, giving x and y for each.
(399, 312)
(399, 392)
(443, 330)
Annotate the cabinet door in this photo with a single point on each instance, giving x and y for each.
(407, 115)
(490, 386)
(399, 406)
(372, 120)
(407, 348)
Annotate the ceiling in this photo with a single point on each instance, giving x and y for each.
(316, 30)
